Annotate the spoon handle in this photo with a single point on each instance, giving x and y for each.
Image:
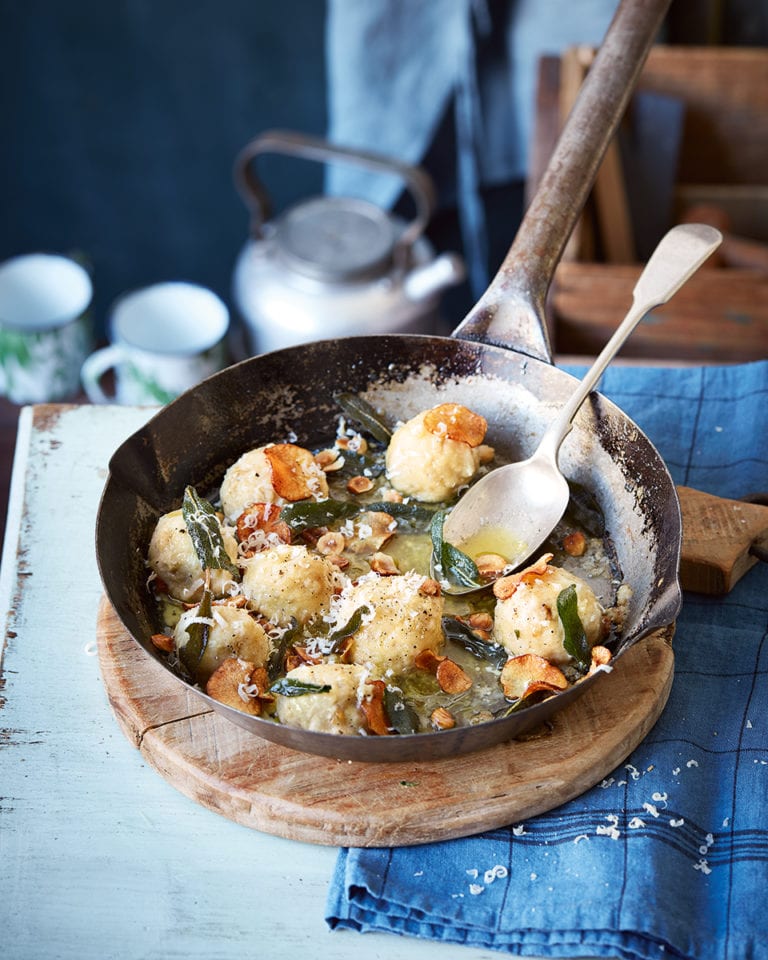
(677, 257)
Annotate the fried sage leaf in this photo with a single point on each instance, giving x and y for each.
(360, 464)
(517, 706)
(205, 532)
(317, 513)
(288, 687)
(574, 635)
(321, 513)
(456, 566)
(277, 656)
(198, 632)
(405, 511)
(402, 717)
(363, 414)
(462, 634)
(335, 640)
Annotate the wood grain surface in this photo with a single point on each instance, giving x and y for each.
(719, 316)
(343, 803)
(718, 535)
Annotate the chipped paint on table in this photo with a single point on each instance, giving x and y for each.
(100, 856)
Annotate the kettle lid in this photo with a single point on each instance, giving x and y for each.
(337, 239)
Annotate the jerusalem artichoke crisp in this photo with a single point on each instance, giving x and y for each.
(300, 591)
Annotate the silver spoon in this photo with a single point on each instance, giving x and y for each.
(521, 503)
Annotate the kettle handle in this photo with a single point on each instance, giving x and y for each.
(257, 200)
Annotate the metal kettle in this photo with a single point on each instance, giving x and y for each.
(335, 266)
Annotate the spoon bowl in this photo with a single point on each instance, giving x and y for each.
(512, 510)
(520, 504)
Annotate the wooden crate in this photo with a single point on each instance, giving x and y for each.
(719, 316)
(721, 168)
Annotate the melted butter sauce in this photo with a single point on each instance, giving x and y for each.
(493, 540)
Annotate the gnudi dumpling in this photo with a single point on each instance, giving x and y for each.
(424, 461)
(234, 633)
(289, 581)
(276, 473)
(528, 621)
(404, 619)
(173, 558)
(334, 711)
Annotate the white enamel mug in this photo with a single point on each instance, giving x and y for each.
(45, 329)
(164, 339)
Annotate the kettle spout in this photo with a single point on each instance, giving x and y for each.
(424, 282)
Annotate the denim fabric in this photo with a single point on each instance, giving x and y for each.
(395, 66)
(668, 856)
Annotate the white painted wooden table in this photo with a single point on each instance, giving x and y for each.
(99, 856)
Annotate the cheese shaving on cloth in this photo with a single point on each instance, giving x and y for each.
(667, 855)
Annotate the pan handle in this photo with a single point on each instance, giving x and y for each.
(512, 311)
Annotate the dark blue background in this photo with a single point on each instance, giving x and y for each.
(121, 119)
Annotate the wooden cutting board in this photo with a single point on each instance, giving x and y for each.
(343, 803)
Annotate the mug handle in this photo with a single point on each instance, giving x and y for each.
(94, 368)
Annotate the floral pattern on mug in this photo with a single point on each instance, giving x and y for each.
(165, 338)
(42, 366)
(158, 380)
(144, 387)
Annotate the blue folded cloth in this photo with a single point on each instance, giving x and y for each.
(668, 856)
(394, 66)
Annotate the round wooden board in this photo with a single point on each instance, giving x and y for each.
(343, 803)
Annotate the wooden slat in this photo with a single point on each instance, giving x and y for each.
(725, 91)
(718, 316)
(547, 123)
(581, 243)
(745, 206)
(717, 538)
(610, 195)
(613, 216)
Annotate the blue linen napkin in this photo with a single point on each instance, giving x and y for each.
(668, 856)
